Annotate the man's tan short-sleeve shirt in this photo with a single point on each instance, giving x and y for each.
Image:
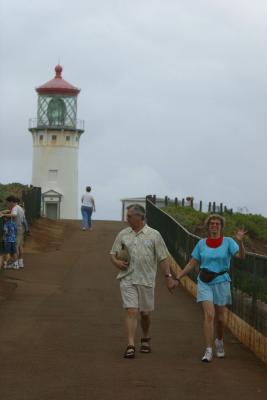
(146, 249)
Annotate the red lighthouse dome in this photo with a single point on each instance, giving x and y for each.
(58, 85)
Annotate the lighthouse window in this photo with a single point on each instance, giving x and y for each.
(67, 138)
(52, 174)
(56, 112)
(54, 138)
(41, 138)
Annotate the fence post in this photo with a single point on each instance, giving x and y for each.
(200, 206)
(166, 201)
(221, 208)
(175, 201)
(154, 199)
(253, 315)
(39, 195)
(192, 203)
(182, 202)
(214, 207)
(209, 209)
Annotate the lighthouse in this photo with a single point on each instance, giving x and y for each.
(56, 135)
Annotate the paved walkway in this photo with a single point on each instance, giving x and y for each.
(62, 334)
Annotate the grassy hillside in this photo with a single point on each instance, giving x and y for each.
(256, 225)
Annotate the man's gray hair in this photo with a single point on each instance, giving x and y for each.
(137, 209)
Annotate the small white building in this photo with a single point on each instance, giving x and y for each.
(56, 134)
(137, 200)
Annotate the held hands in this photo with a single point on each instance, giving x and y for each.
(240, 234)
(171, 284)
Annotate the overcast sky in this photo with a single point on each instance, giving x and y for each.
(173, 94)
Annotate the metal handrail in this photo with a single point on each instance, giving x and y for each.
(34, 123)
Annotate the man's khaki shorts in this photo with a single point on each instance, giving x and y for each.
(136, 296)
(20, 236)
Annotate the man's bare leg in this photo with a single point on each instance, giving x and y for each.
(131, 324)
(145, 325)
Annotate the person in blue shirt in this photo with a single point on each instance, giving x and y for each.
(9, 237)
(213, 256)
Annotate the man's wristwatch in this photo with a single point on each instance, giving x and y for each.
(168, 275)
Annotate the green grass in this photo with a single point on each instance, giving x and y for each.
(193, 220)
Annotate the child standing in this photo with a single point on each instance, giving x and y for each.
(10, 233)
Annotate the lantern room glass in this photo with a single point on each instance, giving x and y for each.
(57, 112)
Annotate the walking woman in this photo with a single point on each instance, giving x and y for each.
(213, 256)
(87, 208)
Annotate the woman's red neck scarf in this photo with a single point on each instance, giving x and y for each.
(211, 242)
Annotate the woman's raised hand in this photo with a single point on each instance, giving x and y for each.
(240, 234)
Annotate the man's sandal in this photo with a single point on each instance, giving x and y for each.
(145, 346)
(129, 352)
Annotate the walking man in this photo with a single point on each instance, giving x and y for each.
(146, 249)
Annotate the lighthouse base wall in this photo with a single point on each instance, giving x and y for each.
(55, 168)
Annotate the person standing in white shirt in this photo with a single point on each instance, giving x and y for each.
(87, 208)
(17, 214)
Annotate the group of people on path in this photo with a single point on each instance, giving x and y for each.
(136, 253)
(14, 227)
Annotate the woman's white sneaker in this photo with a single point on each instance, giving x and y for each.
(207, 355)
(219, 348)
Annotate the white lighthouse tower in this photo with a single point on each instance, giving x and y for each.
(56, 133)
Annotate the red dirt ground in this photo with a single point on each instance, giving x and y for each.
(62, 331)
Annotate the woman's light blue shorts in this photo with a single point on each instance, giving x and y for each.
(218, 293)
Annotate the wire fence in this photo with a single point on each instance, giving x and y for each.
(189, 201)
(249, 276)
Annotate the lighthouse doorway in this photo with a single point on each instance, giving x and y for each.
(52, 210)
(51, 204)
